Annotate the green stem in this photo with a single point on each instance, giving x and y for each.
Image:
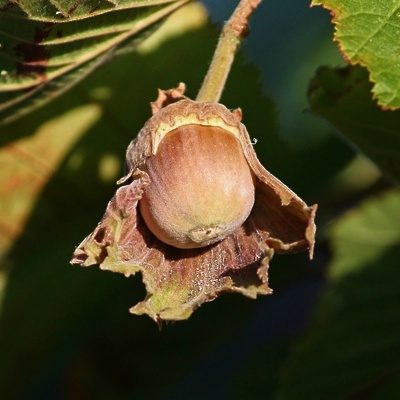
(234, 30)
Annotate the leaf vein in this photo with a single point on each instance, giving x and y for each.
(377, 30)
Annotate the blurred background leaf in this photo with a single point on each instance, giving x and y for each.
(352, 349)
(342, 97)
(368, 34)
(49, 46)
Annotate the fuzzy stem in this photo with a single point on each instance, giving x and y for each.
(232, 33)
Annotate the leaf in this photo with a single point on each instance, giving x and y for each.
(27, 164)
(368, 33)
(364, 235)
(341, 96)
(47, 47)
(352, 350)
(21, 104)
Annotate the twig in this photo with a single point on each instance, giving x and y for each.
(234, 30)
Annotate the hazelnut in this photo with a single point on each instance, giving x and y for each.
(201, 187)
(192, 178)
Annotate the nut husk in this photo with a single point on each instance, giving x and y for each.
(180, 280)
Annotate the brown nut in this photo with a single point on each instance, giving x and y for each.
(201, 187)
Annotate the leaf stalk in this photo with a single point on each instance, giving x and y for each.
(234, 30)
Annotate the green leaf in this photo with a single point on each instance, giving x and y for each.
(47, 47)
(341, 96)
(368, 33)
(29, 163)
(352, 350)
(19, 104)
(365, 235)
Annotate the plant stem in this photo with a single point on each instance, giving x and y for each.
(234, 30)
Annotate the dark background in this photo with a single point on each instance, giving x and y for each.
(66, 332)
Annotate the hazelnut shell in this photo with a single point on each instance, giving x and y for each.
(201, 187)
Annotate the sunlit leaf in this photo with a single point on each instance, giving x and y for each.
(341, 96)
(352, 351)
(27, 164)
(368, 33)
(47, 47)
